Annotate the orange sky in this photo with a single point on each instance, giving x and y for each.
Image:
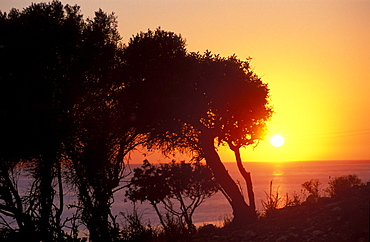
(314, 54)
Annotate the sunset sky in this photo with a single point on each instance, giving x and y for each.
(314, 55)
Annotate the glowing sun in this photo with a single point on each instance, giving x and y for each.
(277, 140)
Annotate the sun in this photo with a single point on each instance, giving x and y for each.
(277, 140)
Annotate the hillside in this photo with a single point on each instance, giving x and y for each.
(329, 219)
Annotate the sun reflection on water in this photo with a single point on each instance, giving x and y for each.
(278, 179)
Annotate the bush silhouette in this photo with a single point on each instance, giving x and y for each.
(312, 187)
(186, 184)
(338, 186)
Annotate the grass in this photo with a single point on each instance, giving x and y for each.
(272, 202)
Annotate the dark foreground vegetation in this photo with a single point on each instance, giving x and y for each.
(344, 216)
(337, 213)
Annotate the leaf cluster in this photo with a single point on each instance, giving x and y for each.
(166, 181)
(177, 95)
(189, 184)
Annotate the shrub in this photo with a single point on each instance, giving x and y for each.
(292, 201)
(135, 230)
(185, 185)
(175, 229)
(340, 185)
(312, 187)
(272, 201)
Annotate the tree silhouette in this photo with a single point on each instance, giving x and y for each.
(59, 109)
(37, 45)
(189, 184)
(94, 148)
(237, 108)
(196, 102)
(101, 133)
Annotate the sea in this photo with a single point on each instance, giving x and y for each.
(286, 178)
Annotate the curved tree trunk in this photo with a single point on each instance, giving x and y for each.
(247, 177)
(242, 212)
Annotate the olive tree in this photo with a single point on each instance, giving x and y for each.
(188, 101)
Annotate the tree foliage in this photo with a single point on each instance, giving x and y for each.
(194, 100)
(99, 136)
(38, 46)
(188, 184)
(60, 81)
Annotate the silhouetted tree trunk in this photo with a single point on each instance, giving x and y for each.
(45, 174)
(242, 212)
(154, 204)
(59, 211)
(94, 200)
(98, 224)
(97, 175)
(246, 175)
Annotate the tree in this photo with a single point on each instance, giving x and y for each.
(237, 109)
(101, 133)
(196, 102)
(189, 184)
(37, 46)
(59, 109)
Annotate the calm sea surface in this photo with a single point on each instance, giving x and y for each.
(287, 177)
